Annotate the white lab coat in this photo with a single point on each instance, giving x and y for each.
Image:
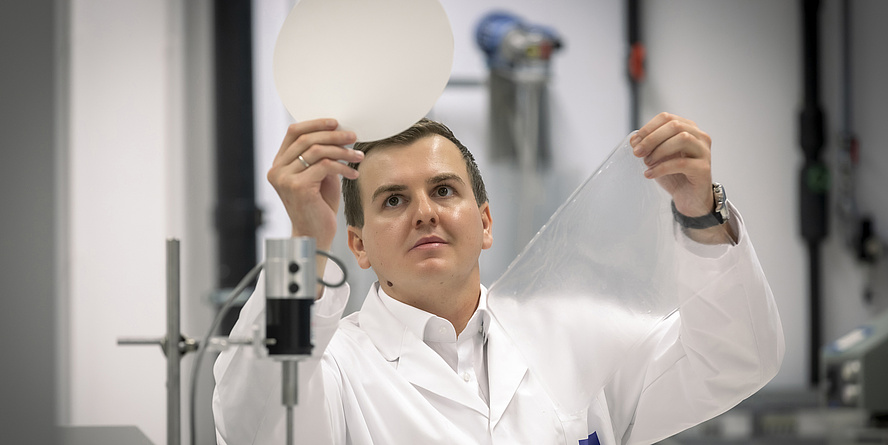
(372, 381)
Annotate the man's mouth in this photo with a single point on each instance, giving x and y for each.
(428, 242)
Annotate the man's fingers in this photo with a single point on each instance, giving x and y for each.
(305, 127)
(306, 141)
(665, 132)
(658, 121)
(693, 169)
(317, 152)
(683, 144)
(316, 171)
(328, 167)
(660, 129)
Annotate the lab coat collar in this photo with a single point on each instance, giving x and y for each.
(426, 325)
(421, 366)
(418, 363)
(417, 320)
(506, 370)
(383, 328)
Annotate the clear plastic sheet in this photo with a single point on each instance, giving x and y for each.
(593, 283)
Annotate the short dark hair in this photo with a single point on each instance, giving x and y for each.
(354, 211)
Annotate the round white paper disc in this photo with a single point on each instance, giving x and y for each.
(377, 66)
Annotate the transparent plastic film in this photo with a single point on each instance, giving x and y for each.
(596, 280)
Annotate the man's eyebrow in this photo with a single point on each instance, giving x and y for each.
(387, 189)
(444, 177)
(437, 179)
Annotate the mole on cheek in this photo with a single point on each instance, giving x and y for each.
(390, 284)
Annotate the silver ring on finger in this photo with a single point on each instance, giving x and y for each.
(303, 161)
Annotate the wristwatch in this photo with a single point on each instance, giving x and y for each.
(719, 215)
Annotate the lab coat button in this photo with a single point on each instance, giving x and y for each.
(466, 376)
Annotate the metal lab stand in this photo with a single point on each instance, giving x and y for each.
(173, 350)
(180, 345)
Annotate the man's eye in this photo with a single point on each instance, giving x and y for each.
(444, 191)
(393, 201)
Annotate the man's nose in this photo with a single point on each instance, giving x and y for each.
(426, 212)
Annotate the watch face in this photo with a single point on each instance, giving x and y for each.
(722, 214)
(721, 209)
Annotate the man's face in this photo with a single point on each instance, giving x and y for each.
(422, 225)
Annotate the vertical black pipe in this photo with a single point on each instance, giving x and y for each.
(815, 315)
(237, 216)
(846, 68)
(635, 60)
(814, 177)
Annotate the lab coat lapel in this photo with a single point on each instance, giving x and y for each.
(506, 370)
(384, 330)
(420, 365)
(416, 362)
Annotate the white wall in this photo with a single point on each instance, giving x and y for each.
(589, 112)
(735, 68)
(140, 172)
(119, 217)
(140, 163)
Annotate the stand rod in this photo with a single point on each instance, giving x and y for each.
(174, 417)
(289, 395)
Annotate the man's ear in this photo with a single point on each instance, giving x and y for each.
(356, 244)
(487, 225)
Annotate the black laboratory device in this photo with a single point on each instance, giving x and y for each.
(290, 288)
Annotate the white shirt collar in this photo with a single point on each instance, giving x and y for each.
(432, 328)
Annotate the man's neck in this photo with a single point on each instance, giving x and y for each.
(455, 302)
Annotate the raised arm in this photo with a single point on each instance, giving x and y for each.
(726, 341)
(724, 344)
(678, 155)
(305, 174)
(247, 398)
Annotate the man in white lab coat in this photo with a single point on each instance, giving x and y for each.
(424, 362)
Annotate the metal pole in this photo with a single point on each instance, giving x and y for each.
(172, 344)
(290, 394)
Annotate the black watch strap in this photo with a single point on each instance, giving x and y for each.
(718, 216)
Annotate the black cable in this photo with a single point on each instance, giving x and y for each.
(204, 344)
(338, 263)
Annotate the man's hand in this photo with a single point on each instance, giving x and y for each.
(311, 194)
(678, 155)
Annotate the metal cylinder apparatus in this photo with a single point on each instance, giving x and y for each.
(290, 280)
(519, 56)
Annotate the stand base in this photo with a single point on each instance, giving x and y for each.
(102, 435)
